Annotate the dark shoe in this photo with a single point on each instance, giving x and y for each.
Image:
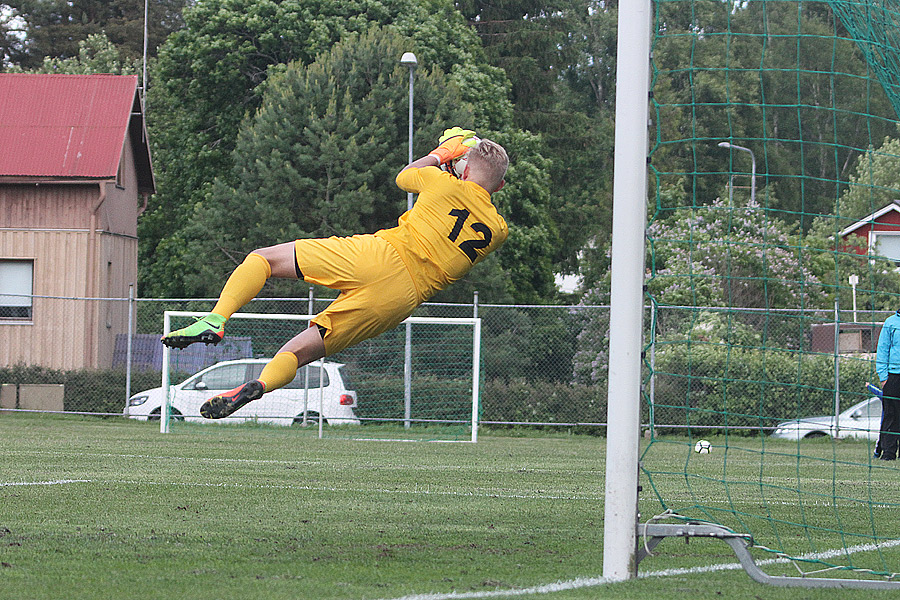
(877, 453)
(887, 458)
(203, 330)
(219, 407)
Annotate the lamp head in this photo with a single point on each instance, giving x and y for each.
(409, 60)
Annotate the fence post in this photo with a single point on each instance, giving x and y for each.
(130, 329)
(653, 316)
(309, 311)
(407, 378)
(837, 367)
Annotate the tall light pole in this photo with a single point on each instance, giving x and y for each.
(408, 59)
(753, 171)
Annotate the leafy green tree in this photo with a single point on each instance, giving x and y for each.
(719, 255)
(527, 39)
(874, 184)
(560, 59)
(582, 146)
(208, 78)
(320, 156)
(33, 30)
(96, 54)
(759, 87)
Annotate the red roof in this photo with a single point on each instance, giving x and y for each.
(68, 125)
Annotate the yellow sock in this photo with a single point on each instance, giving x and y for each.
(245, 283)
(280, 371)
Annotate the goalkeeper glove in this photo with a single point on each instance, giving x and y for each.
(455, 142)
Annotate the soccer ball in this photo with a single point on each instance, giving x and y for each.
(702, 447)
(458, 165)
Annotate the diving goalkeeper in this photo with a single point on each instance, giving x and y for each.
(382, 277)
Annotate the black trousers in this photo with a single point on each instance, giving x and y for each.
(889, 438)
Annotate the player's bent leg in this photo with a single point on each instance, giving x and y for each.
(244, 283)
(307, 346)
(208, 330)
(222, 405)
(282, 260)
(279, 371)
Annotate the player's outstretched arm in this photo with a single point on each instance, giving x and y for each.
(454, 142)
(425, 161)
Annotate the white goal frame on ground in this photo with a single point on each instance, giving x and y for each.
(475, 322)
(620, 525)
(626, 292)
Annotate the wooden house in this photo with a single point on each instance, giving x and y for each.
(877, 234)
(75, 172)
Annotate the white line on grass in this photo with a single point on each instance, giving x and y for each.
(296, 462)
(428, 492)
(582, 582)
(54, 482)
(309, 488)
(549, 588)
(771, 561)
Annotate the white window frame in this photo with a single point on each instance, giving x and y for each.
(16, 290)
(873, 242)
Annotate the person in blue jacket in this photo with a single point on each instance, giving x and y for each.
(887, 366)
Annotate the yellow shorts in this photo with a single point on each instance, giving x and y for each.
(377, 291)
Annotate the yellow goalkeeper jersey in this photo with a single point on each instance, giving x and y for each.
(452, 226)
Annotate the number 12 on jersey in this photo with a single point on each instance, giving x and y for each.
(469, 246)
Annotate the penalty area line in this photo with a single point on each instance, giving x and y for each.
(54, 482)
(582, 582)
(547, 588)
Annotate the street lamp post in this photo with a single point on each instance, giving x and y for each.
(408, 59)
(753, 171)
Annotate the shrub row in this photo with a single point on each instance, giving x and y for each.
(86, 390)
(711, 385)
(703, 385)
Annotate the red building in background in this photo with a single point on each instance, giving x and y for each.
(877, 234)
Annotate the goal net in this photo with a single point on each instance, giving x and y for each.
(417, 382)
(773, 244)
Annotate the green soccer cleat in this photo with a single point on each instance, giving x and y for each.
(219, 407)
(204, 330)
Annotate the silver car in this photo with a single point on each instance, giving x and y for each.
(862, 420)
(325, 392)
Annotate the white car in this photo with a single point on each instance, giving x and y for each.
(862, 420)
(327, 394)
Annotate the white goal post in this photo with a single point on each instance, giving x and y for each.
(267, 341)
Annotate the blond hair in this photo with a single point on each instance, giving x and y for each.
(490, 159)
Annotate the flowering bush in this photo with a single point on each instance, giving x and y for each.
(713, 256)
(718, 255)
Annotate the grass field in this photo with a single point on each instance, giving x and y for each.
(107, 508)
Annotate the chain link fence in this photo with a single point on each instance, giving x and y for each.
(749, 369)
(542, 366)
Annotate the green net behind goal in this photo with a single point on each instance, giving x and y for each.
(773, 245)
(418, 382)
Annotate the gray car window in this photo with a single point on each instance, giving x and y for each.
(873, 408)
(314, 380)
(299, 380)
(225, 377)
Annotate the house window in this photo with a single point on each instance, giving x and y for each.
(16, 278)
(886, 245)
